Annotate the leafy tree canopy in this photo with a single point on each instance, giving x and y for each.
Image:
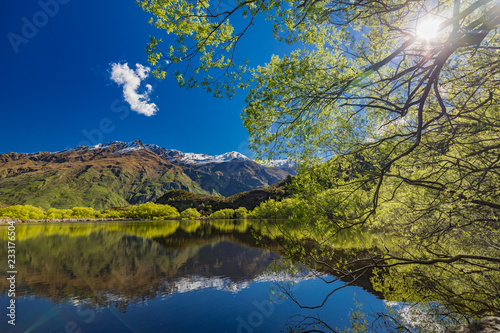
(393, 107)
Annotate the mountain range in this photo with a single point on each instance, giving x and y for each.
(122, 173)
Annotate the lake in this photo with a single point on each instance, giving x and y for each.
(168, 276)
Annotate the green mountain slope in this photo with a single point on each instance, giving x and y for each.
(119, 174)
(92, 185)
(88, 178)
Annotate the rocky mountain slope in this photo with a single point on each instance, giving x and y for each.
(119, 173)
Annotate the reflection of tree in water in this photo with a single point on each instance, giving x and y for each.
(421, 294)
(449, 291)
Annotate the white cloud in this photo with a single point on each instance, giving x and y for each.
(131, 81)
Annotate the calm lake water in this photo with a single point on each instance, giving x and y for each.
(163, 276)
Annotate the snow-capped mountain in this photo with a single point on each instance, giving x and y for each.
(192, 158)
(119, 173)
(174, 155)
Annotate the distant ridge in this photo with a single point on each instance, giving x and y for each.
(175, 155)
(208, 203)
(121, 173)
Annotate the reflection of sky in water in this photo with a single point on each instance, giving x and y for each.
(419, 315)
(209, 281)
(201, 310)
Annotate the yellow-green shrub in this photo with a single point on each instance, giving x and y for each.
(115, 213)
(152, 211)
(190, 213)
(241, 213)
(84, 212)
(286, 208)
(226, 213)
(22, 212)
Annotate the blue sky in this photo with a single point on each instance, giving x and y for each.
(57, 90)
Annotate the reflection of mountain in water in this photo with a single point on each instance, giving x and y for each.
(114, 264)
(227, 260)
(102, 262)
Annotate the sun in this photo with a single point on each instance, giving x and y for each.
(428, 28)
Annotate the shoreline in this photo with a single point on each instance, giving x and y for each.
(17, 220)
(108, 219)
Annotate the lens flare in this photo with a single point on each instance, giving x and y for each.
(428, 29)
